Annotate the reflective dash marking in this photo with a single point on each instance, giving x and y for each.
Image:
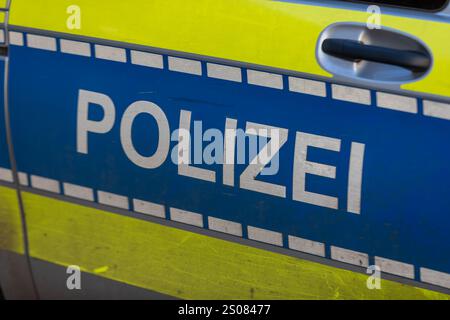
(149, 208)
(187, 217)
(23, 179)
(113, 200)
(265, 79)
(75, 47)
(2, 35)
(225, 226)
(45, 184)
(351, 94)
(110, 53)
(264, 235)
(307, 246)
(41, 42)
(349, 256)
(185, 65)
(6, 175)
(355, 177)
(435, 277)
(311, 87)
(436, 109)
(147, 59)
(16, 38)
(396, 102)
(79, 192)
(395, 267)
(219, 71)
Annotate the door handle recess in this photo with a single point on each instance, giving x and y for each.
(415, 61)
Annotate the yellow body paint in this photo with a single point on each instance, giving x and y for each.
(185, 264)
(268, 33)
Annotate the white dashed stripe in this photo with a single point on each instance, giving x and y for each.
(23, 179)
(6, 175)
(16, 38)
(112, 199)
(185, 65)
(219, 71)
(307, 246)
(2, 35)
(110, 53)
(187, 217)
(299, 244)
(75, 47)
(149, 208)
(147, 59)
(76, 191)
(311, 87)
(395, 267)
(41, 42)
(225, 226)
(351, 94)
(396, 102)
(436, 109)
(45, 184)
(435, 277)
(264, 235)
(265, 79)
(349, 256)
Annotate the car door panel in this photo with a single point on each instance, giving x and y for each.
(361, 171)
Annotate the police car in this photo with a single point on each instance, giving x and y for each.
(226, 149)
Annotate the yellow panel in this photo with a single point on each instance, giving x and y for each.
(270, 33)
(185, 264)
(11, 237)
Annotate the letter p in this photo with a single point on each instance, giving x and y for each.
(84, 125)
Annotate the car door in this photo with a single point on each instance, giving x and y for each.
(233, 149)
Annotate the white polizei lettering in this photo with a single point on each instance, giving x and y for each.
(160, 155)
(229, 151)
(355, 178)
(84, 125)
(184, 167)
(248, 177)
(302, 167)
